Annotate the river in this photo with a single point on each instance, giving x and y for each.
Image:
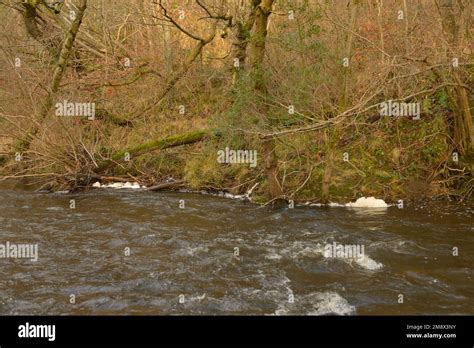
(137, 252)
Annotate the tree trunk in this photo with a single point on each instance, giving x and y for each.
(333, 137)
(239, 47)
(451, 15)
(354, 7)
(258, 41)
(24, 144)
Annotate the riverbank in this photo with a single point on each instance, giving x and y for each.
(174, 186)
(307, 110)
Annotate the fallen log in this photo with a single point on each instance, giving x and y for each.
(110, 117)
(152, 145)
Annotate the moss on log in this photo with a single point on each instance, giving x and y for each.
(120, 121)
(152, 145)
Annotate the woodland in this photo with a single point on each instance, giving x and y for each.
(300, 82)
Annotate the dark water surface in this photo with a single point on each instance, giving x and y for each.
(190, 252)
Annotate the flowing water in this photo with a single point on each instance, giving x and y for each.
(280, 267)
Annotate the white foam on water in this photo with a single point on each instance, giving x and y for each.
(331, 303)
(317, 303)
(196, 250)
(119, 185)
(368, 202)
(362, 202)
(364, 262)
(330, 204)
(299, 249)
(227, 195)
(335, 205)
(134, 185)
(368, 263)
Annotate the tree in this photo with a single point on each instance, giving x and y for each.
(64, 56)
(258, 42)
(455, 19)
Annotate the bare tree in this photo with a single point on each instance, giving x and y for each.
(64, 56)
